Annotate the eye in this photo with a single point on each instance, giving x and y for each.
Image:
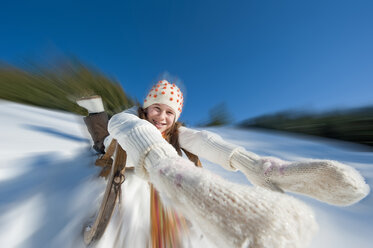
(170, 113)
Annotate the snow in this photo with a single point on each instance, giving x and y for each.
(49, 187)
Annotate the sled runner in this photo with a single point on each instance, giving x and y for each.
(113, 170)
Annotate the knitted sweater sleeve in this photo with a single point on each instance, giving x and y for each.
(210, 146)
(138, 137)
(231, 215)
(328, 181)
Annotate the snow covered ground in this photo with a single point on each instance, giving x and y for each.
(49, 187)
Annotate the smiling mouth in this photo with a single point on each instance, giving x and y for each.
(158, 124)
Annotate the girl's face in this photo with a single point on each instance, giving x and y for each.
(161, 116)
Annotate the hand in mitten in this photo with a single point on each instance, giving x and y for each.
(232, 215)
(142, 141)
(328, 181)
(256, 168)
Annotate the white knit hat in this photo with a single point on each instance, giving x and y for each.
(165, 93)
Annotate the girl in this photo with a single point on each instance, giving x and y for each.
(228, 214)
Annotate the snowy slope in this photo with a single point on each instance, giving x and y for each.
(49, 188)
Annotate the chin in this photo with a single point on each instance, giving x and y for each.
(162, 129)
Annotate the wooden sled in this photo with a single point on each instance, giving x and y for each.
(113, 170)
(115, 178)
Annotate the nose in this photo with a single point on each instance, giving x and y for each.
(162, 115)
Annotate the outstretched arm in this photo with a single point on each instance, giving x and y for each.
(233, 215)
(326, 180)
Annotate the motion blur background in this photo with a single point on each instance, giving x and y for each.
(299, 66)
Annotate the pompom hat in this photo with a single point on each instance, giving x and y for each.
(165, 93)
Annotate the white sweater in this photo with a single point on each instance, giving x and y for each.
(203, 143)
(231, 215)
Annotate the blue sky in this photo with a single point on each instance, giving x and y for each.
(257, 56)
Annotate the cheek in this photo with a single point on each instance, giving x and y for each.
(150, 114)
(170, 120)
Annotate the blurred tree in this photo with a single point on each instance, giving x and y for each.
(58, 84)
(219, 115)
(355, 125)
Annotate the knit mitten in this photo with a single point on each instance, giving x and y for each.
(141, 140)
(231, 215)
(328, 181)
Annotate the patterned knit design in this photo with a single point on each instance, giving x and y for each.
(166, 93)
(328, 181)
(232, 215)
